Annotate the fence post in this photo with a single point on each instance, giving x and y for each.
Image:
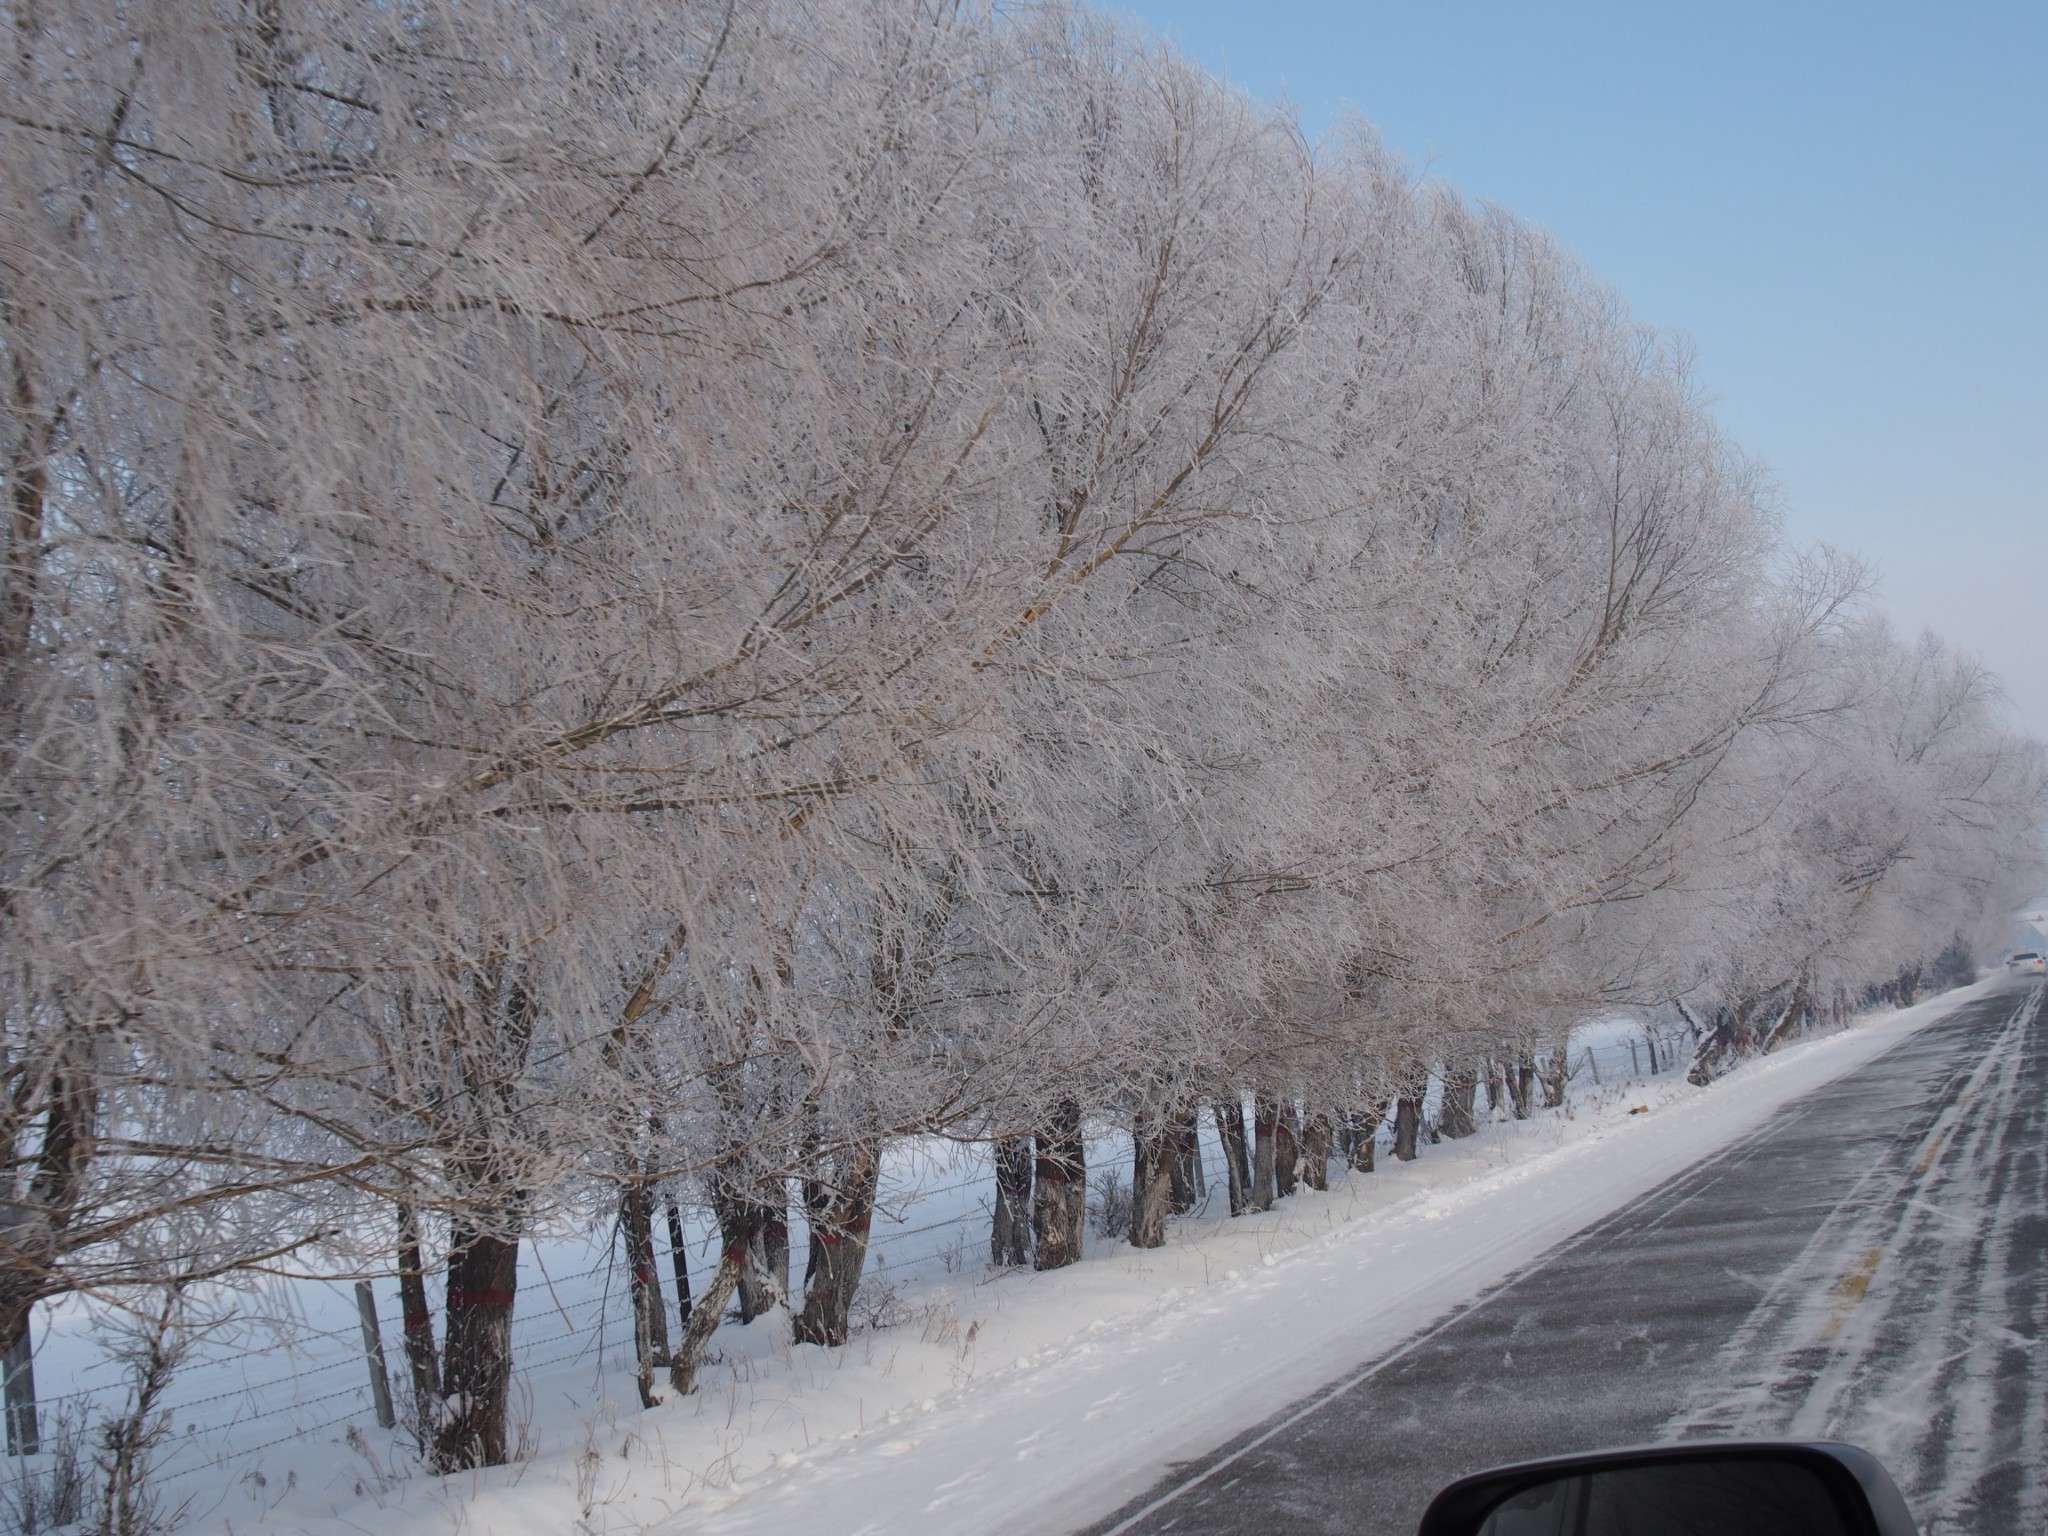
(1635, 1062)
(680, 1260)
(1593, 1062)
(373, 1346)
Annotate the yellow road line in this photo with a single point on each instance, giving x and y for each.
(1933, 1151)
(1850, 1289)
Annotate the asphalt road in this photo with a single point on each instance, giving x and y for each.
(1872, 1267)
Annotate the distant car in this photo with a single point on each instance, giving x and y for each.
(2028, 963)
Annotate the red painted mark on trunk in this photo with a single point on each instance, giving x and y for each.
(479, 1299)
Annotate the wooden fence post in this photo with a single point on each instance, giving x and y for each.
(373, 1347)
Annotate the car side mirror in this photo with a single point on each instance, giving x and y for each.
(1724, 1488)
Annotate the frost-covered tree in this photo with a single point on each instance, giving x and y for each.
(622, 604)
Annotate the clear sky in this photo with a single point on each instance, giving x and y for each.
(1844, 205)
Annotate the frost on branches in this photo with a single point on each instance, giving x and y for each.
(612, 607)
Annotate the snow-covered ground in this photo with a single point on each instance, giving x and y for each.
(971, 1400)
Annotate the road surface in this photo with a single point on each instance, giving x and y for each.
(1872, 1267)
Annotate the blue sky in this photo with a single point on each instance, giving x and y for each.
(1845, 207)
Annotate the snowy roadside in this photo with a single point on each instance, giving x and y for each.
(1036, 1403)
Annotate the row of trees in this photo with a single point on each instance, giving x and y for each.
(629, 601)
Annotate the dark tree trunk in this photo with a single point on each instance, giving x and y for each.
(1461, 1087)
(1009, 1240)
(1407, 1124)
(680, 1262)
(1236, 1155)
(1154, 1139)
(1059, 1195)
(417, 1335)
(1316, 1136)
(840, 1201)
(650, 1316)
(24, 1432)
(1265, 1128)
(484, 1234)
(1365, 1132)
(1190, 1184)
(1286, 1152)
(483, 1275)
(1521, 1077)
(1722, 1043)
(70, 1107)
(28, 1234)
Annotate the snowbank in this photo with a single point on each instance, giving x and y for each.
(1017, 1401)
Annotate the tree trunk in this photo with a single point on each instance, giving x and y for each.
(1692, 1023)
(484, 1233)
(775, 1249)
(1237, 1166)
(1521, 1078)
(1790, 1022)
(1461, 1087)
(764, 1283)
(840, 1202)
(483, 1275)
(1316, 1136)
(29, 1231)
(1190, 1183)
(1407, 1123)
(704, 1316)
(1286, 1151)
(650, 1316)
(679, 1261)
(1059, 1195)
(1010, 1228)
(1265, 1124)
(1365, 1133)
(1154, 1139)
(24, 1432)
(417, 1335)
(746, 1221)
(1724, 1041)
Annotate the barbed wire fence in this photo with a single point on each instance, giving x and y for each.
(585, 1315)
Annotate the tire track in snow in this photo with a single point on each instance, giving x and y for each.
(1741, 1294)
(1911, 1322)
